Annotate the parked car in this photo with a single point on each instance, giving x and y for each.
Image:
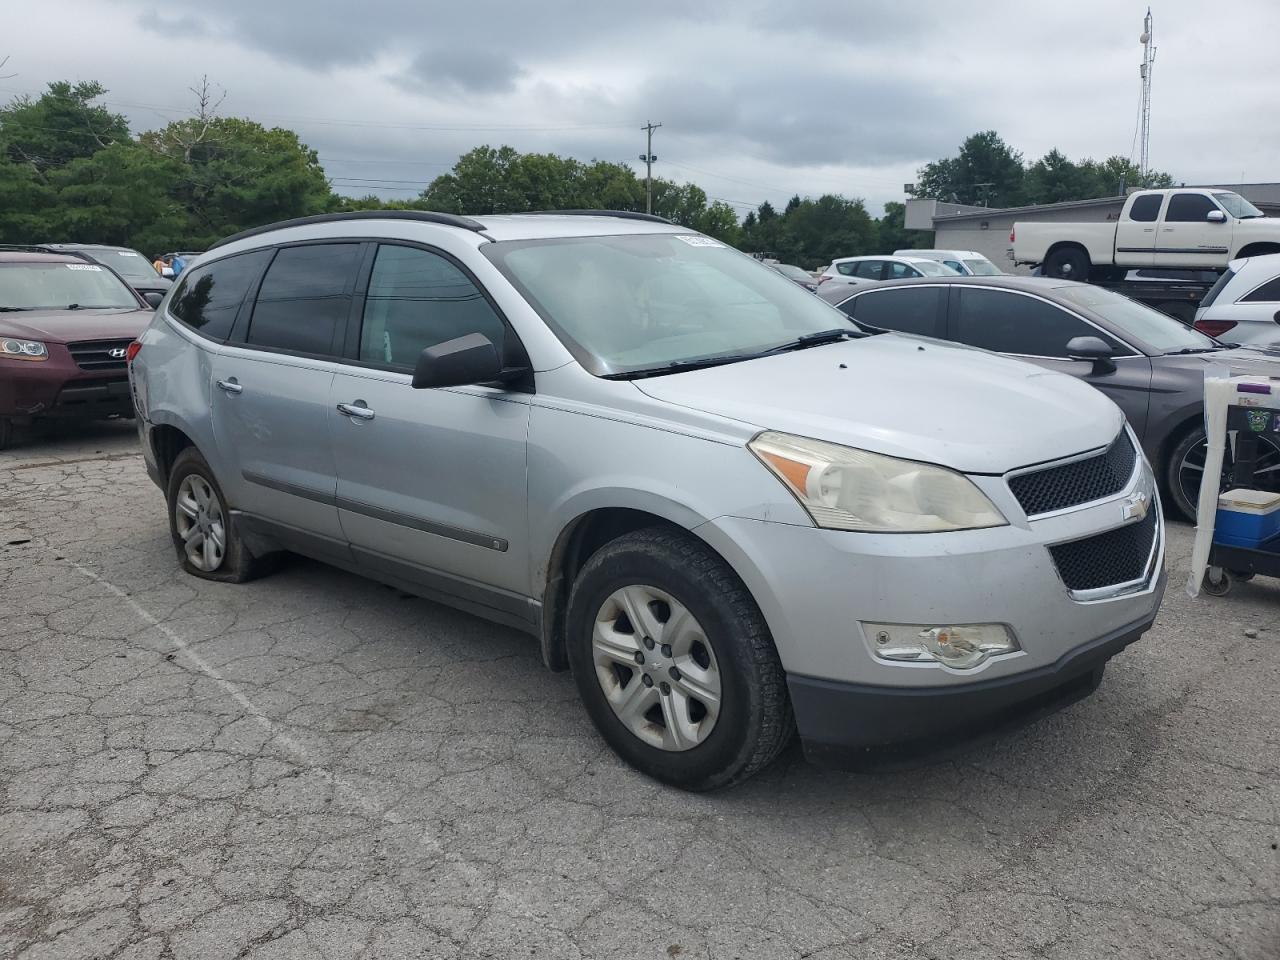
(967, 263)
(795, 274)
(874, 269)
(136, 269)
(1183, 229)
(671, 465)
(1244, 305)
(65, 326)
(1147, 362)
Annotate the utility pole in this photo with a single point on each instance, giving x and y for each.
(648, 159)
(1148, 61)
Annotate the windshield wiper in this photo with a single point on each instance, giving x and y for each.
(701, 363)
(1186, 350)
(14, 309)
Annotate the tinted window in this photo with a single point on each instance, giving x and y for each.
(846, 269)
(954, 265)
(1216, 289)
(1013, 323)
(1188, 208)
(1269, 292)
(1146, 208)
(868, 269)
(417, 299)
(209, 297)
(907, 309)
(900, 271)
(305, 297)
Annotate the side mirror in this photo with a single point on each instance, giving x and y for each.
(1093, 349)
(458, 363)
(153, 298)
(1215, 216)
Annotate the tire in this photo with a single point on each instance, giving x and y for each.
(204, 515)
(6, 433)
(680, 589)
(1182, 482)
(1219, 589)
(1068, 263)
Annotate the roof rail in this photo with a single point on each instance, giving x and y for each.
(422, 216)
(28, 248)
(620, 214)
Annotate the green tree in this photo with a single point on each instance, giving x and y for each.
(238, 174)
(985, 172)
(61, 125)
(828, 227)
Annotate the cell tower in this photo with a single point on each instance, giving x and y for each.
(1148, 61)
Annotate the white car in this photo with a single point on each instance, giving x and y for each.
(1244, 305)
(872, 269)
(967, 263)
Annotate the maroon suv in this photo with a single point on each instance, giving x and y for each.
(65, 327)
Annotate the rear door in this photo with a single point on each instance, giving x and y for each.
(431, 483)
(1031, 328)
(869, 269)
(271, 411)
(1136, 231)
(915, 309)
(1187, 238)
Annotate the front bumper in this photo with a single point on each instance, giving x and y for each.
(58, 387)
(819, 588)
(842, 724)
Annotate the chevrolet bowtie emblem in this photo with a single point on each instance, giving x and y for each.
(1136, 506)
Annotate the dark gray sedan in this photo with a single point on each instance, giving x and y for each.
(1152, 366)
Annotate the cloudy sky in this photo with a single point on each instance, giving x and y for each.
(758, 100)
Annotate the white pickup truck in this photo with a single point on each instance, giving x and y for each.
(1182, 229)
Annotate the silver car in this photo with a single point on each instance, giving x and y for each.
(703, 490)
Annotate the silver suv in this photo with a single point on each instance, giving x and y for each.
(728, 511)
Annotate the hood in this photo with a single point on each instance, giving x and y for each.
(970, 410)
(1260, 361)
(67, 326)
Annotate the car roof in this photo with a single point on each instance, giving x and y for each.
(28, 256)
(941, 253)
(1004, 282)
(85, 246)
(879, 256)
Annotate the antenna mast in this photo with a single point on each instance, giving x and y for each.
(1148, 60)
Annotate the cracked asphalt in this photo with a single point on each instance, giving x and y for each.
(314, 765)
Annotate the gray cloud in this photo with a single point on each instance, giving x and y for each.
(461, 71)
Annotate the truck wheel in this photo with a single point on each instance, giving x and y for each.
(674, 662)
(1068, 263)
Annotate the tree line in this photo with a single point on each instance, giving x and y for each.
(71, 170)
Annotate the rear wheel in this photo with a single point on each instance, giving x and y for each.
(200, 522)
(674, 661)
(1067, 263)
(1185, 467)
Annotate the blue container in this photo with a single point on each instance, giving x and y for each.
(1247, 518)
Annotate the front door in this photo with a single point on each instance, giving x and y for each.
(431, 483)
(1187, 238)
(1035, 330)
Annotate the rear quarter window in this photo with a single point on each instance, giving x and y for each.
(208, 298)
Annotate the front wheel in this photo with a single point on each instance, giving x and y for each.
(1185, 467)
(674, 661)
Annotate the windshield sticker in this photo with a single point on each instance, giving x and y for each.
(128, 253)
(695, 241)
(83, 266)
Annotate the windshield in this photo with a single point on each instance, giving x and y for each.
(1150, 327)
(931, 268)
(982, 267)
(130, 264)
(1237, 206)
(57, 286)
(792, 271)
(636, 302)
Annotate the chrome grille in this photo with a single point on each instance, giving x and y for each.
(1106, 559)
(1081, 481)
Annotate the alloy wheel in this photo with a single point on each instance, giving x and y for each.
(200, 523)
(1191, 469)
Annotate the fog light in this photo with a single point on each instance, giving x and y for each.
(962, 646)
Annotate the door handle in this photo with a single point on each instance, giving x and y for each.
(230, 386)
(357, 408)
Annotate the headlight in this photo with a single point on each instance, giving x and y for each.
(23, 350)
(847, 489)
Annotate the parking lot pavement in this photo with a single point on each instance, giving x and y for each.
(314, 765)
